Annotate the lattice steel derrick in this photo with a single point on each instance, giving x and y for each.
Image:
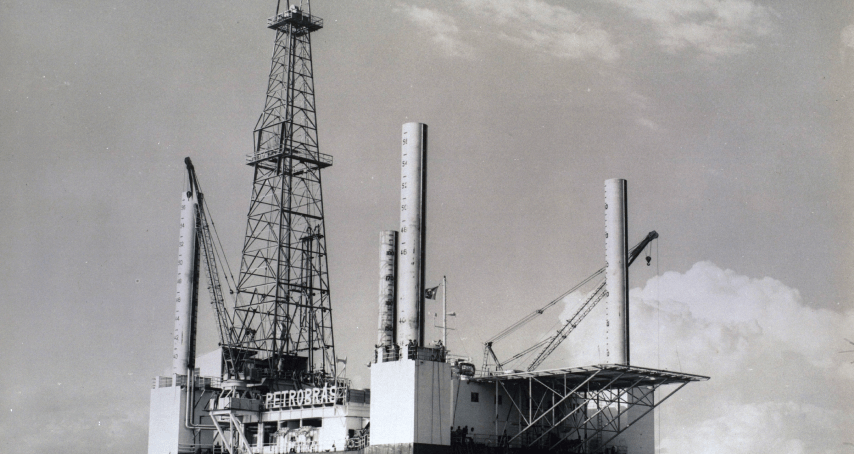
(283, 310)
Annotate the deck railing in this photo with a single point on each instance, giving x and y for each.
(181, 380)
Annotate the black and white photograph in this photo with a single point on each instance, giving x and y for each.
(427, 227)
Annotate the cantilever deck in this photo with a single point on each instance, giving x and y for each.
(601, 373)
(555, 407)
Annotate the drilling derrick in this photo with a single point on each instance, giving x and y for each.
(283, 313)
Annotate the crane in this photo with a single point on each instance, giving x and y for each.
(229, 334)
(549, 344)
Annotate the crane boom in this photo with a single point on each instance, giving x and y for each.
(487, 346)
(635, 252)
(512, 328)
(551, 343)
(499, 365)
(570, 325)
(585, 308)
(225, 324)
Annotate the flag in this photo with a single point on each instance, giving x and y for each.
(430, 293)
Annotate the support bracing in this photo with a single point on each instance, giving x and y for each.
(581, 410)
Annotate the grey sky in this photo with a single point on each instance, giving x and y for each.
(731, 120)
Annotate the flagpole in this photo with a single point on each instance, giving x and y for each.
(445, 311)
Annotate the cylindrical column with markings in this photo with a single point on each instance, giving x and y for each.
(182, 347)
(388, 255)
(410, 264)
(617, 272)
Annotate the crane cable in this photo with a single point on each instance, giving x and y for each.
(632, 255)
(219, 251)
(512, 328)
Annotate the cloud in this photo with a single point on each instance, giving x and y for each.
(848, 36)
(752, 428)
(715, 28)
(443, 28)
(846, 39)
(534, 25)
(547, 28)
(778, 382)
(647, 123)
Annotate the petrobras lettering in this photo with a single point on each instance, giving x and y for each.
(309, 397)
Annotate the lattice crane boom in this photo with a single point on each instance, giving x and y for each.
(489, 353)
(553, 342)
(549, 344)
(597, 295)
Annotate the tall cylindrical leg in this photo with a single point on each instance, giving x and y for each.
(410, 266)
(617, 272)
(183, 335)
(388, 256)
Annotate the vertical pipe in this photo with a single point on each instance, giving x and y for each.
(617, 272)
(530, 400)
(182, 338)
(445, 311)
(496, 409)
(410, 266)
(388, 256)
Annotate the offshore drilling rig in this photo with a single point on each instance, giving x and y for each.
(276, 333)
(273, 385)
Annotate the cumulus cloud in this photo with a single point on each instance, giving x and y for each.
(778, 381)
(713, 27)
(442, 28)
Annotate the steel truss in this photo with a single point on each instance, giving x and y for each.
(581, 409)
(283, 314)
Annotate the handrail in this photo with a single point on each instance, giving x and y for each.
(319, 158)
(301, 19)
(181, 380)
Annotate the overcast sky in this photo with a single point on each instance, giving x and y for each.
(731, 120)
